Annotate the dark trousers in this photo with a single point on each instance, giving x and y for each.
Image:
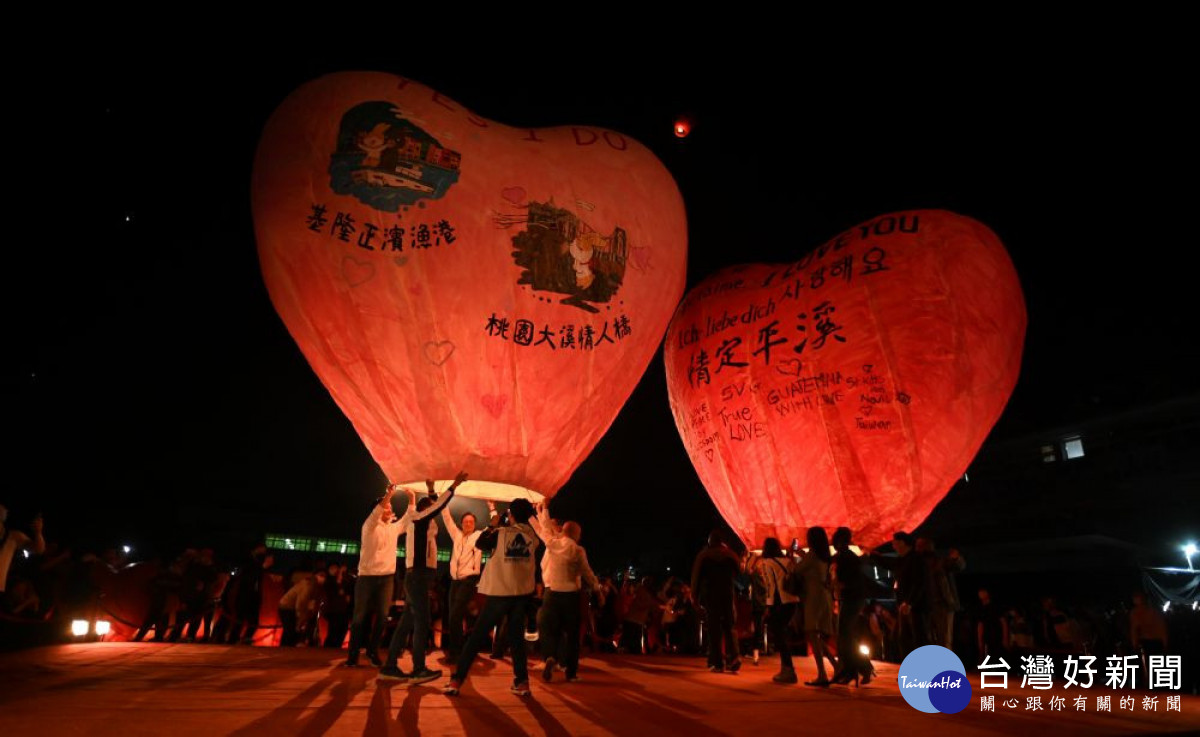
(287, 621)
(415, 621)
(718, 631)
(914, 629)
(461, 593)
(850, 660)
(496, 608)
(561, 623)
(777, 629)
(335, 631)
(372, 596)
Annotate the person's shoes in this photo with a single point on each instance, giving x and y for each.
(786, 675)
(735, 666)
(819, 683)
(349, 664)
(496, 656)
(715, 669)
(392, 673)
(844, 678)
(373, 658)
(520, 688)
(548, 670)
(451, 688)
(423, 675)
(574, 678)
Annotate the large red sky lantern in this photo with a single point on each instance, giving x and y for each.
(852, 387)
(472, 295)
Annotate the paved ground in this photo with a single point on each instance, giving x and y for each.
(176, 690)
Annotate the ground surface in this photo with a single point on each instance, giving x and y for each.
(155, 689)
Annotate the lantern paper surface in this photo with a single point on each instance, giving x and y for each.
(472, 295)
(852, 387)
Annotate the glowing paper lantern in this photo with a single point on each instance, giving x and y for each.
(852, 387)
(472, 295)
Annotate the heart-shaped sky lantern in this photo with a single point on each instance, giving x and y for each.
(472, 295)
(852, 387)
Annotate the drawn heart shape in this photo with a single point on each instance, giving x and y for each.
(494, 404)
(438, 352)
(357, 272)
(511, 289)
(916, 316)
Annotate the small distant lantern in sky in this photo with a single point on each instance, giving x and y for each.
(682, 128)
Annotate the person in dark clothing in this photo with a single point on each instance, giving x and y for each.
(712, 579)
(991, 630)
(195, 595)
(336, 609)
(164, 584)
(421, 563)
(248, 595)
(851, 582)
(911, 571)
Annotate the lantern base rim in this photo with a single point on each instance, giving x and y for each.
(493, 491)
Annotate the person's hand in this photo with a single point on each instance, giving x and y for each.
(461, 477)
(36, 525)
(429, 486)
(491, 505)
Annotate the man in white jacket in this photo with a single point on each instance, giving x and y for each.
(376, 571)
(466, 563)
(508, 582)
(565, 566)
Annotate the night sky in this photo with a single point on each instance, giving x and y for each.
(153, 395)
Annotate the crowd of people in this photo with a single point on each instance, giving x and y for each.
(520, 585)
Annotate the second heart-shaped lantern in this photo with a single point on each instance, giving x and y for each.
(852, 387)
(472, 295)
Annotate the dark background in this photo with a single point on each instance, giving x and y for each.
(152, 395)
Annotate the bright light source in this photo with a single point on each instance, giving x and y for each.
(25, 553)
(682, 128)
(103, 627)
(79, 627)
(864, 649)
(1188, 551)
(1166, 606)
(127, 549)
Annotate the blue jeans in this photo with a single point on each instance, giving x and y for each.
(372, 595)
(416, 618)
(493, 611)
